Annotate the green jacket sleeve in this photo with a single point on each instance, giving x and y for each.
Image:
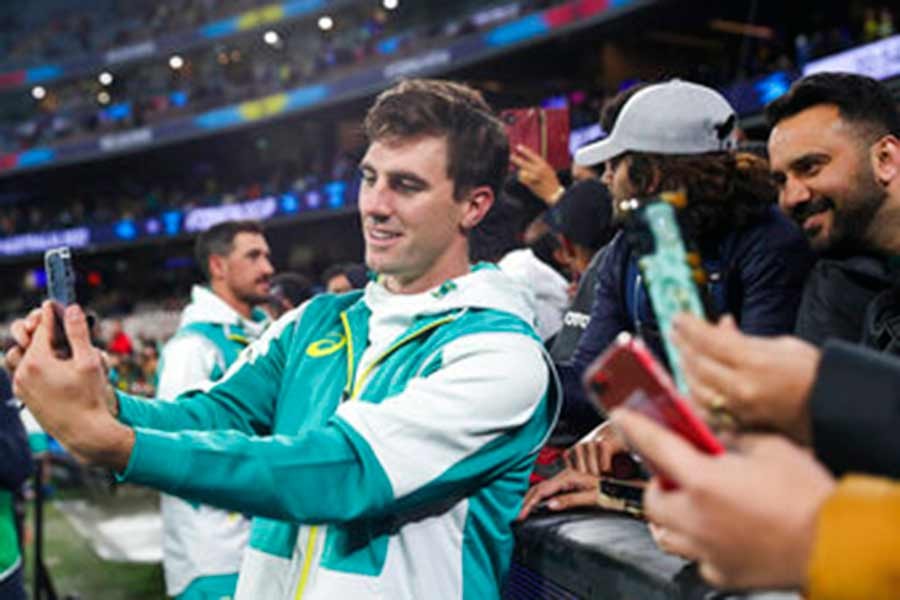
(303, 478)
(473, 419)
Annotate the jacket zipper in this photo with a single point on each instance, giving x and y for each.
(351, 390)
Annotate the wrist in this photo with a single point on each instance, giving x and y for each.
(108, 443)
(553, 198)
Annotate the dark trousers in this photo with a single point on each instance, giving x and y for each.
(13, 588)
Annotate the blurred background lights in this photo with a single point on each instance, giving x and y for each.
(326, 23)
(271, 37)
(176, 62)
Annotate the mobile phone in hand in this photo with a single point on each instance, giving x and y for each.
(627, 374)
(61, 292)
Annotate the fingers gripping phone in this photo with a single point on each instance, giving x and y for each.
(627, 374)
(61, 292)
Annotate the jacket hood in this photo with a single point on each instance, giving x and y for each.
(207, 307)
(485, 286)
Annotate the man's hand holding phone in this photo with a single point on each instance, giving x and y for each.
(70, 397)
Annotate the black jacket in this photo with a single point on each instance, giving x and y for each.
(837, 296)
(855, 411)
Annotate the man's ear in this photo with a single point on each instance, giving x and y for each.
(885, 157)
(216, 266)
(477, 203)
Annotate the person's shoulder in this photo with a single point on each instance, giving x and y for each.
(192, 338)
(862, 269)
(772, 233)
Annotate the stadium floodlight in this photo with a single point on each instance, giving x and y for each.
(105, 78)
(176, 62)
(271, 37)
(326, 23)
(103, 97)
(38, 92)
(390, 4)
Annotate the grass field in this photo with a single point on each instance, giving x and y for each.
(76, 570)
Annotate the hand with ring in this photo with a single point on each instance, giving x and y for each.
(760, 382)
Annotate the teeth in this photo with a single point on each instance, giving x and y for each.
(383, 235)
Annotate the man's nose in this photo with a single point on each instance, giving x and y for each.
(376, 201)
(794, 193)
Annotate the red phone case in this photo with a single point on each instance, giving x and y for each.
(544, 130)
(628, 374)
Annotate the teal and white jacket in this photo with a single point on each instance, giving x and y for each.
(383, 442)
(199, 540)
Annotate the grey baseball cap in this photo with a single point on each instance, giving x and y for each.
(676, 117)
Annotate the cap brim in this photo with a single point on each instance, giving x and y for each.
(598, 152)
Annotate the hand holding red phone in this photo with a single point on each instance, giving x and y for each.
(628, 375)
(748, 517)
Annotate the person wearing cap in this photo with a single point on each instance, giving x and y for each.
(678, 135)
(583, 220)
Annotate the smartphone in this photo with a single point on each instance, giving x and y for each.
(544, 130)
(627, 374)
(61, 292)
(631, 493)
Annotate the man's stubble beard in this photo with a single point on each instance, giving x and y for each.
(855, 224)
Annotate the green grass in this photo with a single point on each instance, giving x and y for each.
(75, 569)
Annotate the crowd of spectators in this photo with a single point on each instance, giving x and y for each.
(247, 67)
(140, 193)
(60, 32)
(242, 68)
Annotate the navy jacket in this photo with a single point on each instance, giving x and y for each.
(761, 272)
(15, 455)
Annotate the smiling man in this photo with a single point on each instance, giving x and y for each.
(835, 155)
(382, 438)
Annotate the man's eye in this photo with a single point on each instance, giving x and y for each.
(808, 169)
(407, 186)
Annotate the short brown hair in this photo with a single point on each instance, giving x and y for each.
(219, 240)
(477, 146)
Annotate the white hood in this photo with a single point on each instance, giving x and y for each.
(207, 307)
(485, 286)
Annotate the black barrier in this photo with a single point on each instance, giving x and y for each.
(603, 556)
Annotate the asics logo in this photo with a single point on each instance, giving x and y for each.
(328, 345)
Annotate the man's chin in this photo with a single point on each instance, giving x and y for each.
(824, 241)
(256, 299)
